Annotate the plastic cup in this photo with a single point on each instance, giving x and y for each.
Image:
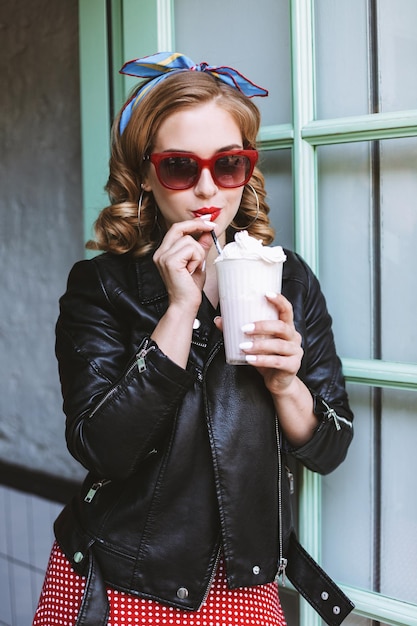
(243, 284)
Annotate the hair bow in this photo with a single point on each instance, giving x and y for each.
(160, 65)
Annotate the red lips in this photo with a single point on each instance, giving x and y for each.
(214, 212)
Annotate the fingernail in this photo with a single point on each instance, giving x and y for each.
(250, 358)
(203, 266)
(271, 294)
(248, 328)
(246, 345)
(208, 223)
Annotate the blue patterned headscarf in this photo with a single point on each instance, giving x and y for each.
(162, 64)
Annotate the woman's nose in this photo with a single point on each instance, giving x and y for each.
(205, 186)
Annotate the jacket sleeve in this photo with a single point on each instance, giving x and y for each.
(120, 394)
(321, 371)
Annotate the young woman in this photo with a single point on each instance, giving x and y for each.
(184, 517)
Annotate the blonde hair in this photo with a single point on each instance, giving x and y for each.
(117, 229)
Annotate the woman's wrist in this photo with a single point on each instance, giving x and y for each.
(174, 331)
(294, 406)
(183, 313)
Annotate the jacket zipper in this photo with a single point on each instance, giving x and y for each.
(332, 415)
(139, 362)
(140, 357)
(290, 476)
(199, 344)
(282, 564)
(213, 574)
(216, 564)
(106, 481)
(94, 488)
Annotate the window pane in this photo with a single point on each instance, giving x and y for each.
(344, 243)
(398, 502)
(347, 503)
(341, 57)
(346, 232)
(276, 167)
(398, 54)
(399, 249)
(342, 41)
(256, 41)
(367, 499)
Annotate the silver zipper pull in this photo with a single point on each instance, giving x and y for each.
(290, 479)
(140, 357)
(92, 492)
(281, 570)
(331, 414)
(94, 488)
(140, 361)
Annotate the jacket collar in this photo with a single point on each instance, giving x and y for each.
(151, 287)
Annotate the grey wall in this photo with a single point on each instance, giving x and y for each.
(40, 222)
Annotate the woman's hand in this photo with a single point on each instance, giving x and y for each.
(181, 261)
(274, 347)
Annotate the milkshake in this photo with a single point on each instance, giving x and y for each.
(246, 271)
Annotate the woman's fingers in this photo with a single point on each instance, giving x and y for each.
(283, 306)
(185, 245)
(196, 228)
(274, 344)
(181, 260)
(218, 322)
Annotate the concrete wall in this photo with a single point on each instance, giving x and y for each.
(40, 222)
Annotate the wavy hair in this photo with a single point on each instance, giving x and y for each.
(117, 229)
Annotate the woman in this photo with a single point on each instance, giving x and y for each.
(184, 516)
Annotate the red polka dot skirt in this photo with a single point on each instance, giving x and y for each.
(63, 589)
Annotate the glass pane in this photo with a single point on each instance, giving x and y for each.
(398, 502)
(399, 250)
(256, 42)
(344, 250)
(341, 57)
(367, 499)
(397, 47)
(276, 167)
(347, 528)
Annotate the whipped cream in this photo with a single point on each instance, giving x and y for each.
(246, 247)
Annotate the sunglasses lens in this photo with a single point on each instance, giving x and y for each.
(232, 170)
(178, 172)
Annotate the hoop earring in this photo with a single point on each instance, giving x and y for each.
(156, 223)
(257, 210)
(140, 206)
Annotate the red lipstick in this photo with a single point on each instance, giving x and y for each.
(213, 211)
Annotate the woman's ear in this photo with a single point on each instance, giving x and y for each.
(146, 186)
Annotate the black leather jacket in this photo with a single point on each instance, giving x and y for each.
(182, 463)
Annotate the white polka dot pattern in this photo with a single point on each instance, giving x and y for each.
(63, 588)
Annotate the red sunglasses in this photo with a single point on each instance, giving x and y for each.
(181, 170)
